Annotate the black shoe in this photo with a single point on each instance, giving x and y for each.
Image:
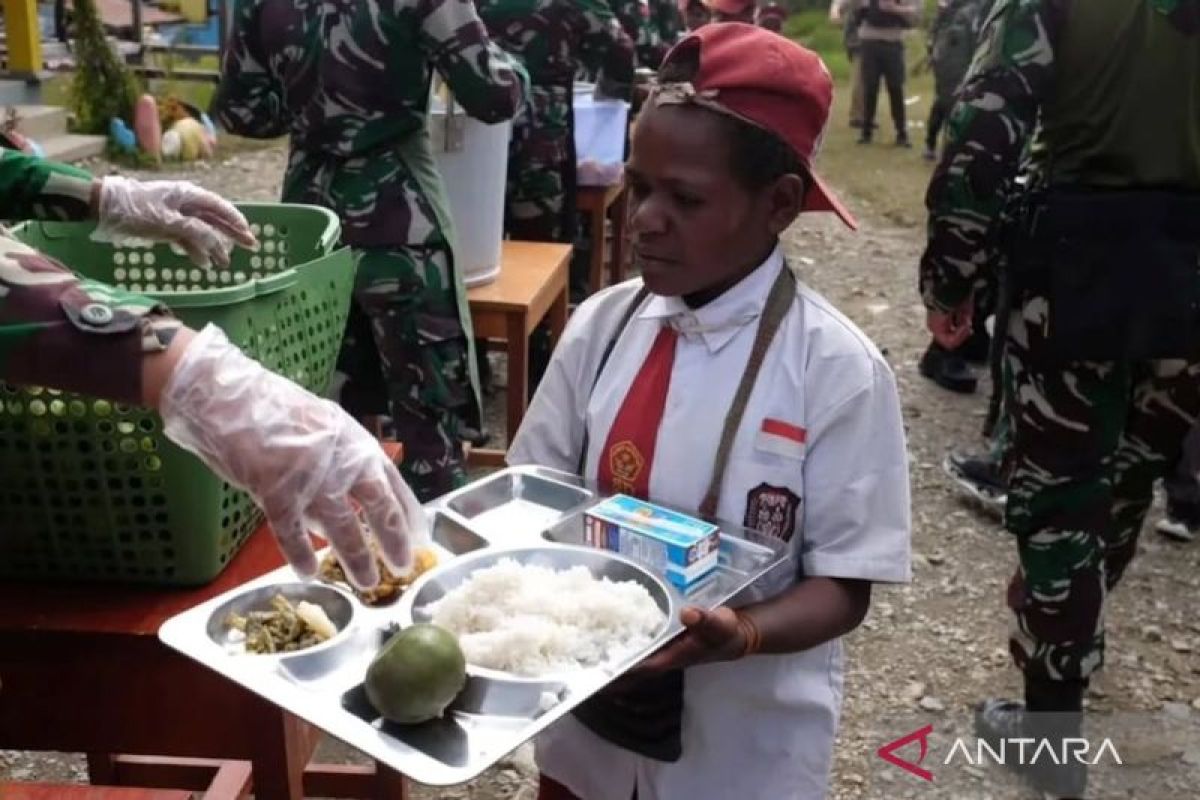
(999, 722)
(1182, 522)
(902, 141)
(980, 479)
(977, 349)
(948, 370)
(864, 138)
(477, 438)
(930, 154)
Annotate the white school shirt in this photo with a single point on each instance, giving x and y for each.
(761, 727)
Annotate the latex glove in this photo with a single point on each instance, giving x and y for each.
(302, 458)
(195, 221)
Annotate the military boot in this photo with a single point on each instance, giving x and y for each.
(1052, 711)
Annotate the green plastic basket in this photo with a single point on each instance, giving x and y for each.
(93, 490)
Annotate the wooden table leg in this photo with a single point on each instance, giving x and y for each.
(596, 268)
(101, 769)
(389, 784)
(285, 744)
(556, 316)
(518, 370)
(367, 782)
(620, 254)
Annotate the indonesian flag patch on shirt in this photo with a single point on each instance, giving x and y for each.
(781, 438)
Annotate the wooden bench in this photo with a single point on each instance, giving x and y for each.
(215, 780)
(75, 791)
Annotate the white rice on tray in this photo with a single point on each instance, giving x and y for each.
(531, 621)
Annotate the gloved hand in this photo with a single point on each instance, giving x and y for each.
(302, 459)
(199, 223)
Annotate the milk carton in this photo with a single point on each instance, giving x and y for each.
(682, 549)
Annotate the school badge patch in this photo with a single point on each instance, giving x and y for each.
(772, 510)
(626, 464)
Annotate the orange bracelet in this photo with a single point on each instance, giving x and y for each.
(750, 631)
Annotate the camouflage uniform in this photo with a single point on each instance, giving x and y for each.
(350, 84)
(1088, 438)
(638, 19)
(951, 45)
(668, 22)
(552, 38)
(48, 315)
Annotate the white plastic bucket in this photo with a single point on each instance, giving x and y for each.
(474, 175)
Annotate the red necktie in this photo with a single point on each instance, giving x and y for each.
(628, 454)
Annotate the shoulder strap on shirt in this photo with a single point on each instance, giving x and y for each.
(641, 294)
(779, 301)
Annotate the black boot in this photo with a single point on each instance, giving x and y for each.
(980, 478)
(948, 370)
(1053, 711)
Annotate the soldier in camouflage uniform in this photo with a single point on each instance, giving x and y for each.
(301, 458)
(637, 17)
(668, 20)
(351, 85)
(951, 45)
(553, 39)
(1089, 437)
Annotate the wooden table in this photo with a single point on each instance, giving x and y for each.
(82, 670)
(598, 203)
(531, 286)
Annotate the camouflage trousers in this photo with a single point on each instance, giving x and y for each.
(540, 196)
(1088, 440)
(406, 354)
(538, 209)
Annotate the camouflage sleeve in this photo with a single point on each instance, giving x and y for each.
(935, 28)
(490, 84)
(60, 331)
(669, 22)
(994, 117)
(249, 100)
(605, 43)
(629, 12)
(33, 188)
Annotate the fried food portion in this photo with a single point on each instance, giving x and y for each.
(390, 586)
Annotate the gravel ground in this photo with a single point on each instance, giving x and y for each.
(930, 650)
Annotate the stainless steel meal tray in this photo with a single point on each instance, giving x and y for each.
(519, 510)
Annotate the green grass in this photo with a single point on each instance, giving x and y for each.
(814, 30)
(879, 181)
(198, 93)
(876, 181)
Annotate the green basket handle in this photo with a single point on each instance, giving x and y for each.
(332, 234)
(257, 287)
(47, 229)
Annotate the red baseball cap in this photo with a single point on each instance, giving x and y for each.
(767, 80)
